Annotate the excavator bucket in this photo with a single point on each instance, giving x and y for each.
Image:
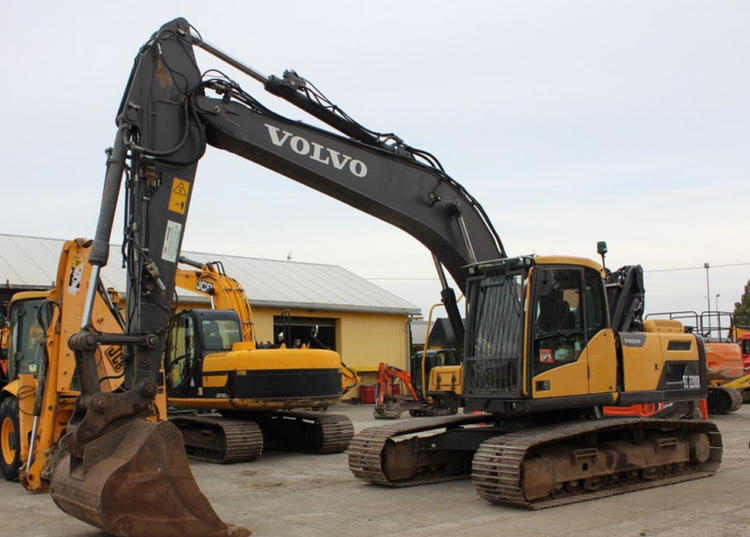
(135, 481)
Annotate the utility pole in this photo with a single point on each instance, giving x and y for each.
(708, 292)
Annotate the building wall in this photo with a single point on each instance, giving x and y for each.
(368, 339)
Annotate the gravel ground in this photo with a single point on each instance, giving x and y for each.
(291, 495)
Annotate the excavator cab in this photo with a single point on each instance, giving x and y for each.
(425, 361)
(194, 334)
(540, 339)
(23, 349)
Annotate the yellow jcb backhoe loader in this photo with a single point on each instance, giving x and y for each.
(43, 382)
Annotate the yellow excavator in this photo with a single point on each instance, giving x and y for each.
(258, 395)
(38, 400)
(552, 341)
(545, 347)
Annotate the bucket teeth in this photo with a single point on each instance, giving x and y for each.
(135, 481)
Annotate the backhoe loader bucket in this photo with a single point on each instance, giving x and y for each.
(135, 481)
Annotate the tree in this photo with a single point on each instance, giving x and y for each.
(742, 308)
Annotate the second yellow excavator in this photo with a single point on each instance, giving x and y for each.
(260, 397)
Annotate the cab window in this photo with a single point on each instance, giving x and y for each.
(558, 326)
(180, 351)
(596, 302)
(220, 335)
(25, 347)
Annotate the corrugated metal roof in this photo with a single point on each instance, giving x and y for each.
(32, 261)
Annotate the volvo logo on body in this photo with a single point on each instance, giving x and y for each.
(320, 153)
(634, 340)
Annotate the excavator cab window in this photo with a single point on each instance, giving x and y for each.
(220, 334)
(559, 332)
(180, 358)
(596, 302)
(495, 333)
(190, 338)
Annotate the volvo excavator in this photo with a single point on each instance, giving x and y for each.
(537, 373)
(260, 397)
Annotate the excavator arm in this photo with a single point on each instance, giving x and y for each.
(226, 293)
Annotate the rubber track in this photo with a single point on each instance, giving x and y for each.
(497, 467)
(235, 440)
(365, 449)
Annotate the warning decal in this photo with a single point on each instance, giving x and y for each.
(179, 196)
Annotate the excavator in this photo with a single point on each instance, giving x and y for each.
(536, 374)
(390, 403)
(551, 342)
(258, 395)
(436, 371)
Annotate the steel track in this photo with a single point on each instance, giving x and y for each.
(497, 471)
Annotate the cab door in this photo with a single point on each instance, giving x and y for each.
(181, 358)
(571, 350)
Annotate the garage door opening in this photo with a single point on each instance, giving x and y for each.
(315, 332)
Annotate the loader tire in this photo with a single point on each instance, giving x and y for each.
(10, 452)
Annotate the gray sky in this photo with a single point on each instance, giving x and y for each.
(570, 121)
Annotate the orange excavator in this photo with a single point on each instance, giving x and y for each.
(441, 377)
(541, 354)
(389, 403)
